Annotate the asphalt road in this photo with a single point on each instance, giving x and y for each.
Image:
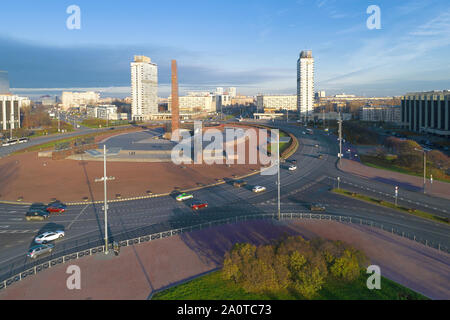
(310, 183)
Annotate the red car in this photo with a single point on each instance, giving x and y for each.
(56, 207)
(199, 205)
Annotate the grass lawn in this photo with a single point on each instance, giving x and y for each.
(374, 163)
(213, 287)
(100, 123)
(391, 205)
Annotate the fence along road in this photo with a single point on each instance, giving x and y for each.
(32, 268)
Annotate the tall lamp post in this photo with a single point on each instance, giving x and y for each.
(340, 138)
(424, 151)
(278, 184)
(105, 206)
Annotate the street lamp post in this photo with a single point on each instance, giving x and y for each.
(340, 138)
(105, 206)
(424, 150)
(431, 182)
(278, 184)
(339, 182)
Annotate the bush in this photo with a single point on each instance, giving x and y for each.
(292, 263)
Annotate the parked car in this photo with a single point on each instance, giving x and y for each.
(316, 145)
(49, 236)
(56, 206)
(320, 156)
(184, 196)
(239, 183)
(38, 205)
(37, 214)
(258, 189)
(292, 167)
(199, 205)
(40, 249)
(317, 207)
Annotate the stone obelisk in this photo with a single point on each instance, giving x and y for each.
(175, 103)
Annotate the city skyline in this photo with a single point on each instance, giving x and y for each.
(349, 57)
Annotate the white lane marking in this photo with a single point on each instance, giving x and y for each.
(16, 219)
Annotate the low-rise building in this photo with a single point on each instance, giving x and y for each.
(380, 114)
(274, 103)
(427, 112)
(78, 99)
(10, 106)
(105, 112)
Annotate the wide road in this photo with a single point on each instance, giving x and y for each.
(84, 224)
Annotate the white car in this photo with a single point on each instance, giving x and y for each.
(257, 189)
(49, 236)
(303, 132)
(184, 197)
(292, 167)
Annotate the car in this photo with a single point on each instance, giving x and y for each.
(320, 156)
(56, 206)
(36, 214)
(239, 183)
(316, 145)
(40, 249)
(199, 205)
(38, 205)
(303, 132)
(317, 207)
(258, 189)
(184, 196)
(292, 167)
(49, 236)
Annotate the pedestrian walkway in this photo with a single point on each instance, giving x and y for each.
(142, 269)
(412, 183)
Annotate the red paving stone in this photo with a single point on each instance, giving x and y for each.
(141, 269)
(439, 189)
(41, 179)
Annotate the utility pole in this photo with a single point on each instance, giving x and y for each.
(105, 206)
(339, 182)
(59, 125)
(424, 170)
(431, 182)
(340, 137)
(278, 184)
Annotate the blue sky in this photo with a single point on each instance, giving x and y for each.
(250, 44)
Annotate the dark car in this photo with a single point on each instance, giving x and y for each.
(199, 205)
(239, 183)
(38, 205)
(36, 214)
(56, 206)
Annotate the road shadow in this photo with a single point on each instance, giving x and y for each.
(400, 184)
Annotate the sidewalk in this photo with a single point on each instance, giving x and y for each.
(140, 270)
(412, 183)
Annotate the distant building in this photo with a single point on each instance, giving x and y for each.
(426, 112)
(380, 114)
(105, 112)
(144, 88)
(273, 103)
(305, 83)
(232, 92)
(219, 91)
(320, 94)
(242, 100)
(4, 82)
(10, 106)
(195, 102)
(78, 99)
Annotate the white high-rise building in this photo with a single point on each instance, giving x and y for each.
(232, 92)
(144, 88)
(219, 91)
(78, 99)
(305, 83)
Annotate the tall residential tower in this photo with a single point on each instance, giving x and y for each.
(144, 88)
(305, 83)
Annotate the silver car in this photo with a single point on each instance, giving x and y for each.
(49, 236)
(40, 249)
